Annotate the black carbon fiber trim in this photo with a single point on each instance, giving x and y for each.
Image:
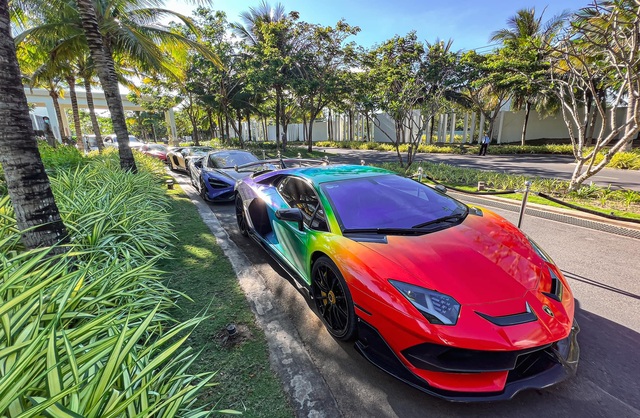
(559, 217)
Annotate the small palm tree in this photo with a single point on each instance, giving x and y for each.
(257, 23)
(526, 40)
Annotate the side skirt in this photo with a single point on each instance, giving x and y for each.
(301, 285)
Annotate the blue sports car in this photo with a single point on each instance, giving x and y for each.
(214, 175)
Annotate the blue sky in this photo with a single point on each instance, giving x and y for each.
(469, 23)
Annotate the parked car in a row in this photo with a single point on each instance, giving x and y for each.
(112, 141)
(214, 175)
(450, 298)
(158, 151)
(178, 157)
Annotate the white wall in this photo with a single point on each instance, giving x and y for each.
(552, 127)
(295, 132)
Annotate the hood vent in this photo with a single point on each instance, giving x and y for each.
(515, 319)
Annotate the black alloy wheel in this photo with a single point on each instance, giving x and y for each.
(240, 217)
(333, 299)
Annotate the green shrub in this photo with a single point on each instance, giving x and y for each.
(87, 333)
(626, 160)
(63, 156)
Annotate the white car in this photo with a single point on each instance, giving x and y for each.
(112, 141)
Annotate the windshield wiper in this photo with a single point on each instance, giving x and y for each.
(449, 218)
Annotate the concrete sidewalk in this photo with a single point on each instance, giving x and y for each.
(309, 394)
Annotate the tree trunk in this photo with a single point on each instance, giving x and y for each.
(228, 133)
(101, 56)
(92, 112)
(312, 119)
(527, 110)
(194, 127)
(431, 128)
(631, 127)
(305, 128)
(56, 106)
(278, 116)
(366, 118)
(211, 124)
(351, 127)
(239, 116)
(330, 126)
(248, 114)
(37, 214)
(71, 81)
(397, 142)
(221, 127)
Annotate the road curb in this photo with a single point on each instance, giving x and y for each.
(308, 392)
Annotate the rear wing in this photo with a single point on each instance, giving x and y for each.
(282, 163)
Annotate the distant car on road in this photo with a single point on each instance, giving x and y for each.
(158, 151)
(215, 176)
(178, 158)
(112, 141)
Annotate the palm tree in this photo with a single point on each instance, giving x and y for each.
(107, 74)
(258, 22)
(525, 41)
(36, 212)
(87, 73)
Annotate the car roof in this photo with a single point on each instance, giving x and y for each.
(327, 173)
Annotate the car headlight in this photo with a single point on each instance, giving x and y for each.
(437, 307)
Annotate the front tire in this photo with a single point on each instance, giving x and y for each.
(240, 217)
(333, 299)
(203, 191)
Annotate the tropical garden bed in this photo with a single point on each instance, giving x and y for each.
(127, 320)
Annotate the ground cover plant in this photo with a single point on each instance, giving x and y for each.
(90, 332)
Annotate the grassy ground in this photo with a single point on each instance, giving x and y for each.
(199, 269)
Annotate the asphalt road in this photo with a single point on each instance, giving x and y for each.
(604, 277)
(547, 166)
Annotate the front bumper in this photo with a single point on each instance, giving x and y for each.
(535, 368)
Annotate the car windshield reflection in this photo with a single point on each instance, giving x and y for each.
(389, 201)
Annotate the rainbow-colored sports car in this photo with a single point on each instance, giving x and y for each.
(451, 299)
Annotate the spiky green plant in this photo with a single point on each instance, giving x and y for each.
(86, 333)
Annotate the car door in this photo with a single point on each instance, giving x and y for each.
(294, 243)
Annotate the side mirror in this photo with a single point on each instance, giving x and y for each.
(292, 215)
(441, 188)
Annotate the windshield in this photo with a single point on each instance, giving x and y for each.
(229, 159)
(388, 201)
(196, 150)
